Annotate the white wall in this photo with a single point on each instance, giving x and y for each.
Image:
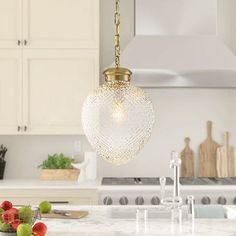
(227, 22)
(180, 113)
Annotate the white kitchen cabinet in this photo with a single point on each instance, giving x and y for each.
(49, 62)
(61, 23)
(10, 23)
(57, 196)
(54, 88)
(49, 23)
(10, 91)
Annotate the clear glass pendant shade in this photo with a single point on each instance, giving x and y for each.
(118, 121)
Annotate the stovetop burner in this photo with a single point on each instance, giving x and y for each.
(207, 181)
(134, 181)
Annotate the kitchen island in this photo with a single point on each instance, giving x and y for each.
(109, 221)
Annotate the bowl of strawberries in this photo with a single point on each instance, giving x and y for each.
(20, 221)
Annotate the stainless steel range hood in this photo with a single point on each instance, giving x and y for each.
(183, 50)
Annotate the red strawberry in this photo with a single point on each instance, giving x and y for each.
(15, 224)
(39, 229)
(6, 205)
(8, 217)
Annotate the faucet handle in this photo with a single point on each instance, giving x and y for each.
(190, 203)
(175, 159)
(163, 184)
(175, 155)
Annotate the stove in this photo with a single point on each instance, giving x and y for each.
(147, 191)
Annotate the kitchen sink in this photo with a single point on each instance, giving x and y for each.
(160, 212)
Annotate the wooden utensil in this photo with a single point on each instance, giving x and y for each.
(207, 151)
(187, 158)
(225, 161)
(66, 215)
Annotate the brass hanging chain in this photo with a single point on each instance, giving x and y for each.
(117, 35)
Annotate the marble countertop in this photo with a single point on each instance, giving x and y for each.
(39, 184)
(103, 221)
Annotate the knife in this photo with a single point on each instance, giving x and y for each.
(61, 212)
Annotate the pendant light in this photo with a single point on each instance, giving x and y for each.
(117, 118)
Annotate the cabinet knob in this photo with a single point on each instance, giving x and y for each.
(18, 42)
(235, 201)
(139, 201)
(206, 200)
(25, 128)
(25, 42)
(107, 201)
(155, 201)
(18, 128)
(123, 201)
(222, 200)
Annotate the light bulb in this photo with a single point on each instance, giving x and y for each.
(119, 113)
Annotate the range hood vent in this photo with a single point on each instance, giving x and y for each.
(179, 51)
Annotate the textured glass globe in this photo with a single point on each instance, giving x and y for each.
(118, 122)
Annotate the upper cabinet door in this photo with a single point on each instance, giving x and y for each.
(56, 82)
(10, 23)
(61, 23)
(10, 91)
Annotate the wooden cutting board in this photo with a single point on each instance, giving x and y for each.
(225, 162)
(187, 158)
(207, 152)
(73, 215)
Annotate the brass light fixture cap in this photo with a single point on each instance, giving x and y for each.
(120, 75)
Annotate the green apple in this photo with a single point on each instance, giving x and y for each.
(45, 207)
(24, 230)
(1, 211)
(5, 227)
(25, 214)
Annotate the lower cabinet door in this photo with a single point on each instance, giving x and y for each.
(55, 84)
(10, 91)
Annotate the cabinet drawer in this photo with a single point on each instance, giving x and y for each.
(58, 196)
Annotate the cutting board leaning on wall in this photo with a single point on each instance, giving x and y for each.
(207, 152)
(187, 159)
(226, 159)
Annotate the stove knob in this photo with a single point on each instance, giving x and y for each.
(124, 201)
(155, 201)
(107, 201)
(235, 201)
(206, 201)
(222, 200)
(139, 201)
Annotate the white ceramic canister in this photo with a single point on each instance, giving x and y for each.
(91, 170)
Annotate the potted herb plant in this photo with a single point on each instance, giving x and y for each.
(58, 167)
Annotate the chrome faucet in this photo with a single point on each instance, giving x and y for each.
(175, 200)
